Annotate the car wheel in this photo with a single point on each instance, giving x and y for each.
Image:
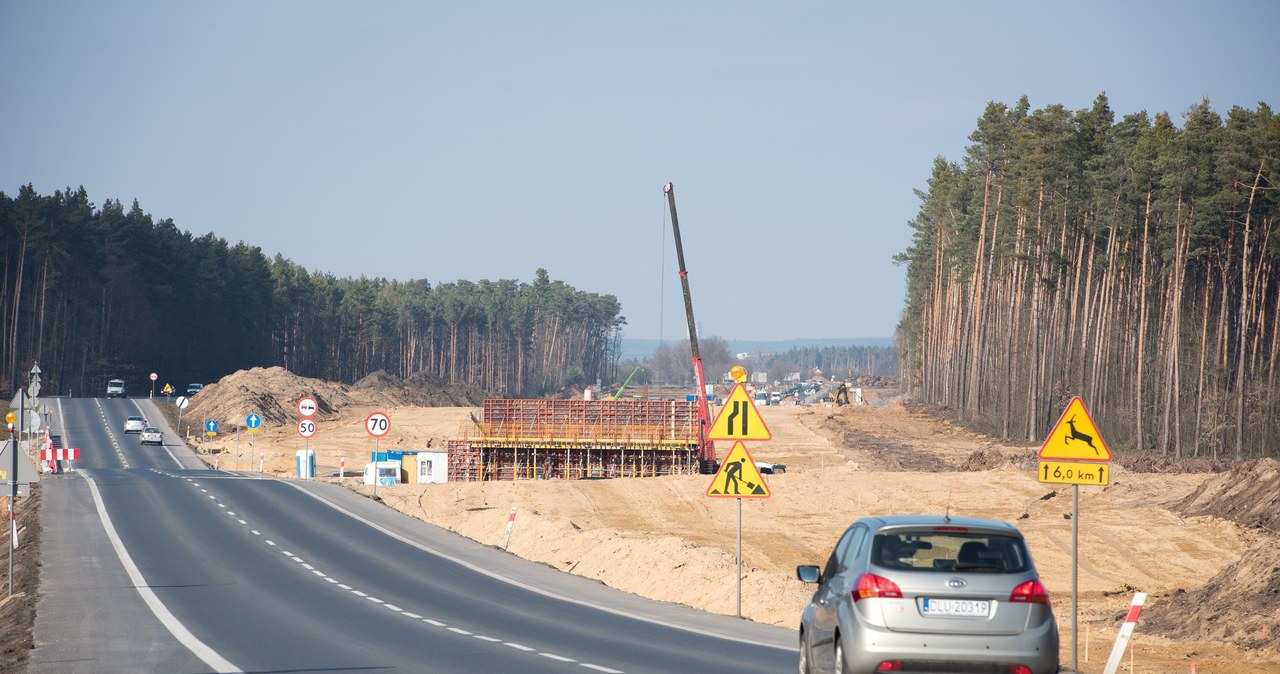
(804, 655)
(840, 667)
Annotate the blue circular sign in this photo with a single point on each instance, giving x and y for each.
(211, 426)
(253, 421)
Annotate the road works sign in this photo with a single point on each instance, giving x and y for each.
(738, 477)
(739, 419)
(1075, 437)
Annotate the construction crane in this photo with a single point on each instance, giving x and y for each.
(707, 462)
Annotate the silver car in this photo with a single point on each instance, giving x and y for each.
(151, 436)
(928, 593)
(135, 424)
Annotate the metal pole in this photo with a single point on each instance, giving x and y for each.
(739, 558)
(13, 484)
(376, 467)
(1075, 574)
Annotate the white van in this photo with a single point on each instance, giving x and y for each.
(115, 388)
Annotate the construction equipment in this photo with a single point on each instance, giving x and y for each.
(842, 394)
(707, 462)
(624, 384)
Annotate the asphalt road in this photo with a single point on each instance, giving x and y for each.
(152, 562)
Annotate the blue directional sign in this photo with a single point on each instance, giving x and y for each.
(211, 426)
(253, 421)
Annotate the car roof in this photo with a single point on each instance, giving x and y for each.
(895, 521)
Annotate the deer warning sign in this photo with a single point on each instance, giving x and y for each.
(1075, 437)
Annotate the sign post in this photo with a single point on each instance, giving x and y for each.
(738, 420)
(154, 377)
(377, 424)
(1077, 455)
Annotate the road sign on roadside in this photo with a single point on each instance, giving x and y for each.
(182, 402)
(738, 477)
(211, 427)
(1074, 472)
(252, 422)
(739, 419)
(377, 424)
(306, 428)
(1075, 437)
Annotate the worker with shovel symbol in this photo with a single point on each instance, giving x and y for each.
(732, 474)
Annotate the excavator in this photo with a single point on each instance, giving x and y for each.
(707, 462)
(628, 381)
(841, 395)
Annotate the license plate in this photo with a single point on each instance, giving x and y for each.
(957, 608)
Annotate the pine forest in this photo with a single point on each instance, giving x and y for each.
(91, 293)
(1132, 262)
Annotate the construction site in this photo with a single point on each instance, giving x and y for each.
(518, 439)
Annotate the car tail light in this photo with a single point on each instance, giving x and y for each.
(1030, 592)
(889, 666)
(1019, 669)
(871, 586)
(950, 528)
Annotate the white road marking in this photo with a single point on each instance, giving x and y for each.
(429, 621)
(516, 646)
(415, 616)
(598, 668)
(553, 656)
(460, 631)
(171, 623)
(485, 638)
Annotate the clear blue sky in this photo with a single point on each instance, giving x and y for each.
(483, 140)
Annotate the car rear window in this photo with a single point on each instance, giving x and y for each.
(950, 551)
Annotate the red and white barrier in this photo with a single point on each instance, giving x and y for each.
(64, 454)
(1126, 631)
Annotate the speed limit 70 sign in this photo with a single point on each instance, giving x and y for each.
(377, 424)
(306, 427)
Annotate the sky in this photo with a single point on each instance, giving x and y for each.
(454, 141)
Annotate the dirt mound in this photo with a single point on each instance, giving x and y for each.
(986, 458)
(1248, 494)
(1239, 603)
(274, 392)
(1166, 464)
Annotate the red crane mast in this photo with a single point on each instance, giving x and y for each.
(706, 448)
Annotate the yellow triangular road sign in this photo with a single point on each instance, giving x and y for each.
(739, 419)
(1075, 437)
(738, 477)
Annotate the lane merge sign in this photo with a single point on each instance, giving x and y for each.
(739, 419)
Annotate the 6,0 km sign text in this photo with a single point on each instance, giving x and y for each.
(1073, 472)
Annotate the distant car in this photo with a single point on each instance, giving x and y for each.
(770, 468)
(135, 424)
(193, 389)
(928, 593)
(151, 436)
(115, 388)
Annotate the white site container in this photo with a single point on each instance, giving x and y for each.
(427, 466)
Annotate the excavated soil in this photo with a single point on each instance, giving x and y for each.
(1197, 536)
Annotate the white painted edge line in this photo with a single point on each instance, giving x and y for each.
(184, 636)
(531, 588)
(598, 668)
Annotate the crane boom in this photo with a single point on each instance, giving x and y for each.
(706, 449)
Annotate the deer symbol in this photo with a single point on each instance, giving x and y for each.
(1077, 435)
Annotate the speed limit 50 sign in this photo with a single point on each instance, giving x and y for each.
(306, 427)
